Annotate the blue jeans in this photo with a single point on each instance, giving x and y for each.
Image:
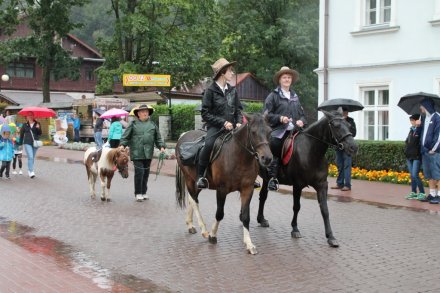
(343, 162)
(31, 153)
(98, 140)
(414, 169)
(76, 134)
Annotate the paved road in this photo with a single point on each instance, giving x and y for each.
(145, 246)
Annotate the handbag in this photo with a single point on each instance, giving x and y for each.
(37, 143)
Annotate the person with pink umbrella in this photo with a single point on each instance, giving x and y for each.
(30, 131)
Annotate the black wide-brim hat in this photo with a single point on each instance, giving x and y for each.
(143, 107)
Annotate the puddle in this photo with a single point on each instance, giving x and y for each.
(76, 261)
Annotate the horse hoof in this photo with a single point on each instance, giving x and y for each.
(103, 198)
(212, 240)
(252, 250)
(333, 242)
(205, 234)
(264, 223)
(192, 230)
(109, 199)
(296, 234)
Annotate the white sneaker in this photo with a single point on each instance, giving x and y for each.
(145, 197)
(31, 174)
(139, 197)
(14, 172)
(20, 172)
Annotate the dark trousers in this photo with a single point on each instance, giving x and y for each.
(76, 135)
(6, 165)
(343, 162)
(211, 136)
(141, 174)
(276, 144)
(114, 143)
(17, 157)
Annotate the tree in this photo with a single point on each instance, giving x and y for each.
(265, 35)
(49, 22)
(170, 37)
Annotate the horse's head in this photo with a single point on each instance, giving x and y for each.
(340, 130)
(121, 160)
(259, 135)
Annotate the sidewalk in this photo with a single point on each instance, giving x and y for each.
(380, 193)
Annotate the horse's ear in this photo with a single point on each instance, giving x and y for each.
(266, 116)
(326, 113)
(340, 110)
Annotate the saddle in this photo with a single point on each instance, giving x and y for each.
(287, 150)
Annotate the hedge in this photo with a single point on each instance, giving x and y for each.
(377, 155)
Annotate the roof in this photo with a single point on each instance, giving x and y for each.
(136, 96)
(25, 99)
(7, 99)
(85, 45)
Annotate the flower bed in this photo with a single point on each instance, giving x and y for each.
(373, 175)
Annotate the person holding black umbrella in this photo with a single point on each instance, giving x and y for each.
(430, 148)
(344, 160)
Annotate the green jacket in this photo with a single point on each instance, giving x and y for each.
(141, 138)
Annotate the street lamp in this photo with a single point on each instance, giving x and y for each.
(5, 78)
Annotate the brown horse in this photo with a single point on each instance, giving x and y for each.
(235, 168)
(109, 161)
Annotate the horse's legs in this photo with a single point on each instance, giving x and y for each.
(296, 207)
(194, 206)
(263, 196)
(220, 213)
(103, 186)
(92, 180)
(321, 190)
(109, 183)
(246, 197)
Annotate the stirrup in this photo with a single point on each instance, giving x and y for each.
(204, 181)
(275, 182)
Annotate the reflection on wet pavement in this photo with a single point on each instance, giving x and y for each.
(78, 262)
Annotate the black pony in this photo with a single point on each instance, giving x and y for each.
(309, 167)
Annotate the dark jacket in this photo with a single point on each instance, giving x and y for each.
(99, 124)
(217, 108)
(141, 137)
(432, 133)
(25, 133)
(352, 125)
(412, 144)
(276, 106)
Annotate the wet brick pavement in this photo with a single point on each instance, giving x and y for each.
(145, 246)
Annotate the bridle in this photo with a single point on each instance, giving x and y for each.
(120, 169)
(339, 145)
(251, 147)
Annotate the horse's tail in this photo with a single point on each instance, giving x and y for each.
(180, 187)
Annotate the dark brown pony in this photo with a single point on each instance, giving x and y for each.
(109, 161)
(234, 169)
(309, 167)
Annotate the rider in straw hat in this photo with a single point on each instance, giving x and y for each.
(284, 112)
(220, 110)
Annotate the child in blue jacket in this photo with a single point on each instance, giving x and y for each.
(6, 151)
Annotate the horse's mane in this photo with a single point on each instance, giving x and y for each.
(323, 119)
(111, 156)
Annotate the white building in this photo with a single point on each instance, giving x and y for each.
(376, 51)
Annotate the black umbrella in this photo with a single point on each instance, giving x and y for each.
(334, 104)
(411, 103)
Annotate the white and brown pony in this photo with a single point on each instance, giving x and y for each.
(111, 160)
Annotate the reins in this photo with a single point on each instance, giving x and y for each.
(339, 145)
(252, 150)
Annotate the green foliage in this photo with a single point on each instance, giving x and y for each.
(182, 119)
(377, 155)
(159, 110)
(253, 107)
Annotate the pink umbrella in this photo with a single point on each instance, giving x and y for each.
(113, 112)
(38, 112)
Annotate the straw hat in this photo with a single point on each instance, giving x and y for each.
(143, 107)
(286, 70)
(219, 65)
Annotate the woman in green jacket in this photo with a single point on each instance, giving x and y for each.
(141, 136)
(115, 132)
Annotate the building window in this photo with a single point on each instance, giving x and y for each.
(26, 70)
(378, 12)
(376, 113)
(90, 73)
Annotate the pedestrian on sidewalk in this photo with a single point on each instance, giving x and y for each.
(221, 112)
(115, 132)
(99, 125)
(76, 127)
(414, 158)
(284, 112)
(430, 148)
(6, 151)
(30, 131)
(141, 135)
(18, 152)
(344, 160)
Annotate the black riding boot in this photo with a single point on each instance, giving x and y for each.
(202, 182)
(272, 171)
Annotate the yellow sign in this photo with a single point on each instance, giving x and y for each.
(146, 80)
